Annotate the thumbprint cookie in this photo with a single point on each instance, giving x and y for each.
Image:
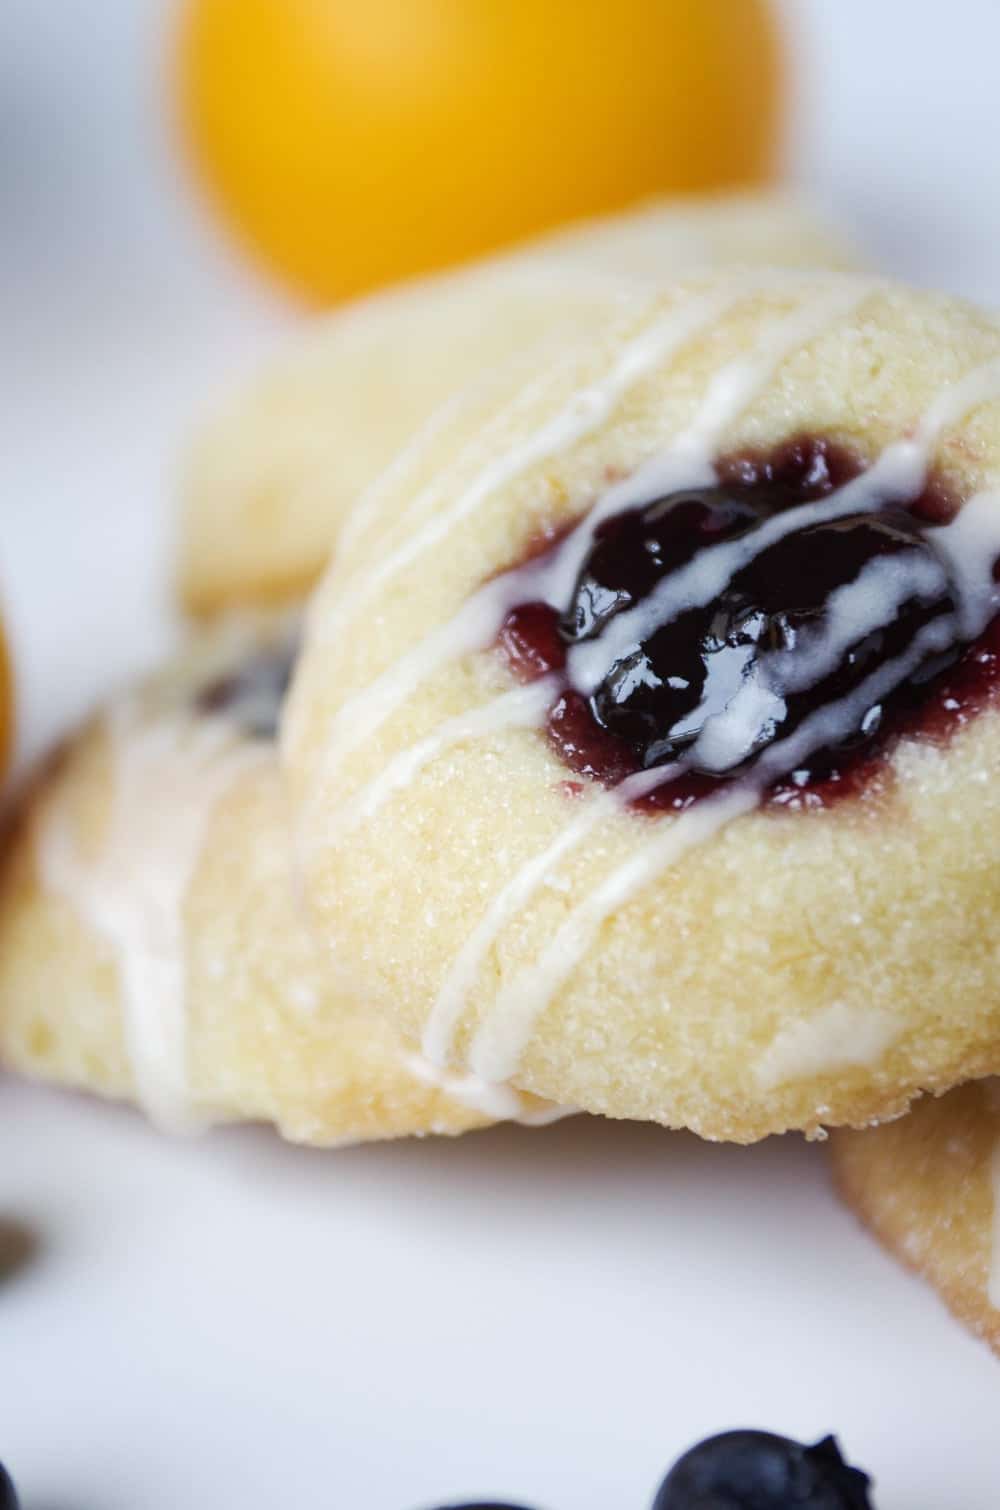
(928, 1187)
(151, 944)
(271, 479)
(663, 707)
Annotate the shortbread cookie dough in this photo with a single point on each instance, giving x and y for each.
(663, 708)
(928, 1187)
(151, 942)
(272, 478)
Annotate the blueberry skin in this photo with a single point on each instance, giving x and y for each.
(8, 1499)
(478, 1505)
(754, 1470)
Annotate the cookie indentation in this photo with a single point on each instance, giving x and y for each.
(786, 623)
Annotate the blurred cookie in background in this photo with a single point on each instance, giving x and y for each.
(271, 480)
(152, 946)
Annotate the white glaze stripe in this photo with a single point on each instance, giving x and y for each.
(587, 409)
(474, 627)
(736, 385)
(872, 600)
(728, 393)
(513, 897)
(901, 470)
(426, 499)
(166, 782)
(687, 461)
(476, 624)
(707, 575)
(366, 507)
(981, 385)
(524, 707)
(836, 1037)
(970, 543)
(500, 1102)
(899, 473)
(507, 1028)
(725, 739)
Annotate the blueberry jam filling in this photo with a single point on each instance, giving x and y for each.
(251, 695)
(778, 626)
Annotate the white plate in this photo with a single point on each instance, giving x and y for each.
(547, 1315)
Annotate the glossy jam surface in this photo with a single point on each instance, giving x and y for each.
(251, 695)
(802, 616)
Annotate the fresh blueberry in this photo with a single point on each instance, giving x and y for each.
(753, 1470)
(478, 1505)
(8, 1499)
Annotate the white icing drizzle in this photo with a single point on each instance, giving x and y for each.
(474, 627)
(167, 777)
(442, 521)
(365, 509)
(476, 624)
(513, 897)
(877, 593)
(898, 474)
(506, 1029)
(728, 394)
(733, 388)
(836, 1037)
(707, 575)
(500, 1102)
(524, 707)
(970, 543)
(688, 461)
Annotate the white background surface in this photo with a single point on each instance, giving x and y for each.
(547, 1315)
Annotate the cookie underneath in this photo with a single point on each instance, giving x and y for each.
(152, 945)
(928, 1187)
